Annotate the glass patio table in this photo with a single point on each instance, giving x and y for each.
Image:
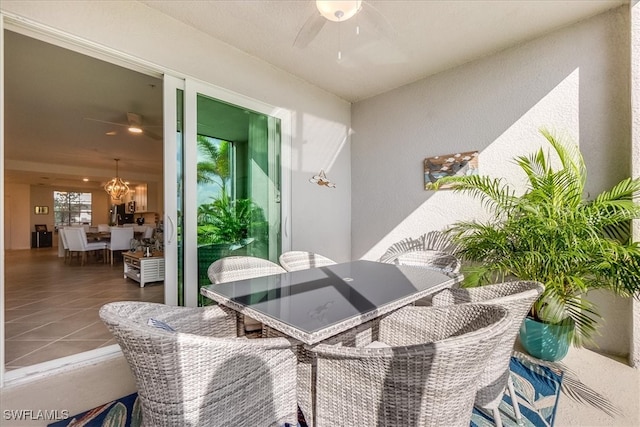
(315, 304)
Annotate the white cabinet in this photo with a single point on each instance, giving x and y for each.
(143, 269)
(140, 197)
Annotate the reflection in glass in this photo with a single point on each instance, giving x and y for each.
(238, 179)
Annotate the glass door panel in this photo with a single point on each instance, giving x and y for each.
(172, 225)
(232, 184)
(238, 184)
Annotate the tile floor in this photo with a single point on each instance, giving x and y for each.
(51, 307)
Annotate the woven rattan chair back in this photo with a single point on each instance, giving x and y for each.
(436, 260)
(233, 268)
(425, 377)
(301, 260)
(517, 297)
(431, 241)
(191, 370)
(229, 269)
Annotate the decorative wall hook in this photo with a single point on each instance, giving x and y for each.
(321, 179)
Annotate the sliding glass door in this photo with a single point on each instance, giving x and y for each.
(233, 185)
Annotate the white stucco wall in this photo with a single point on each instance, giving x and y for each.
(574, 81)
(635, 157)
(320, 219)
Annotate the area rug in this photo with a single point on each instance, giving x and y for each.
(537, 387)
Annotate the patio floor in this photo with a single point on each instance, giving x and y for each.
(606, 382)
(609, 380)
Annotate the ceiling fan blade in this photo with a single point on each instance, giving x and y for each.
(104, 121)
(309, 30)
(152, 135)
(134, 119)
(377, 20)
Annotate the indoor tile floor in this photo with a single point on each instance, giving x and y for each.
(51, 306)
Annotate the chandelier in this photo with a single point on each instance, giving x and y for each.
(116, 188)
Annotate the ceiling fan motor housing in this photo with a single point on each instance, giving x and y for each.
(338, 11)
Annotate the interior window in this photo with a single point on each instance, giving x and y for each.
(71, 208)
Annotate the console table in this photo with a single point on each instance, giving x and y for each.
(144, 269)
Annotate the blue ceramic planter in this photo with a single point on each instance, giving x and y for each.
(545, 341)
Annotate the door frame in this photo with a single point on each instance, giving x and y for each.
(48, 34)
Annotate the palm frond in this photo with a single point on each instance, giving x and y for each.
(552, 235)
(495, 194)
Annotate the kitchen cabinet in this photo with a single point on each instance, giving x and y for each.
(140, 197)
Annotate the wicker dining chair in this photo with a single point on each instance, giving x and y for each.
(437, 260)
(432, 241)
(441, 261)
(422, 372)
(229, 269)
(302, 260)
(517, 297)
(191, 369)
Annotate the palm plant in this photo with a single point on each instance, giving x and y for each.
(552, 235)
(215, 163)
(230, 221)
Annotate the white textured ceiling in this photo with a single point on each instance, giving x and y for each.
(48, 142)
(425, 37)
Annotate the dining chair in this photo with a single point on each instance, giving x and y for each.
(432, 241)
(301, 260)
(423, 371)
(432, 259)
(427, 258)
(65, 245)
(77, 241)
(120, 240)
(229, 269)
(191, 369)
(517, 297)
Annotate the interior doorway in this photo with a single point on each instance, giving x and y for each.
(66, 118)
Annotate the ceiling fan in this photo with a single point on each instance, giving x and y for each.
(134, 125)
(340, 11)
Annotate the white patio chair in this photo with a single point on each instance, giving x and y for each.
(422, 372)
(192, 370)
(301, 260)
(517, 297)
(233, 268)
(120, 240)
(77, 241)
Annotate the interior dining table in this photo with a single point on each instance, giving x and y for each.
(315, 304)
(98, 236)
